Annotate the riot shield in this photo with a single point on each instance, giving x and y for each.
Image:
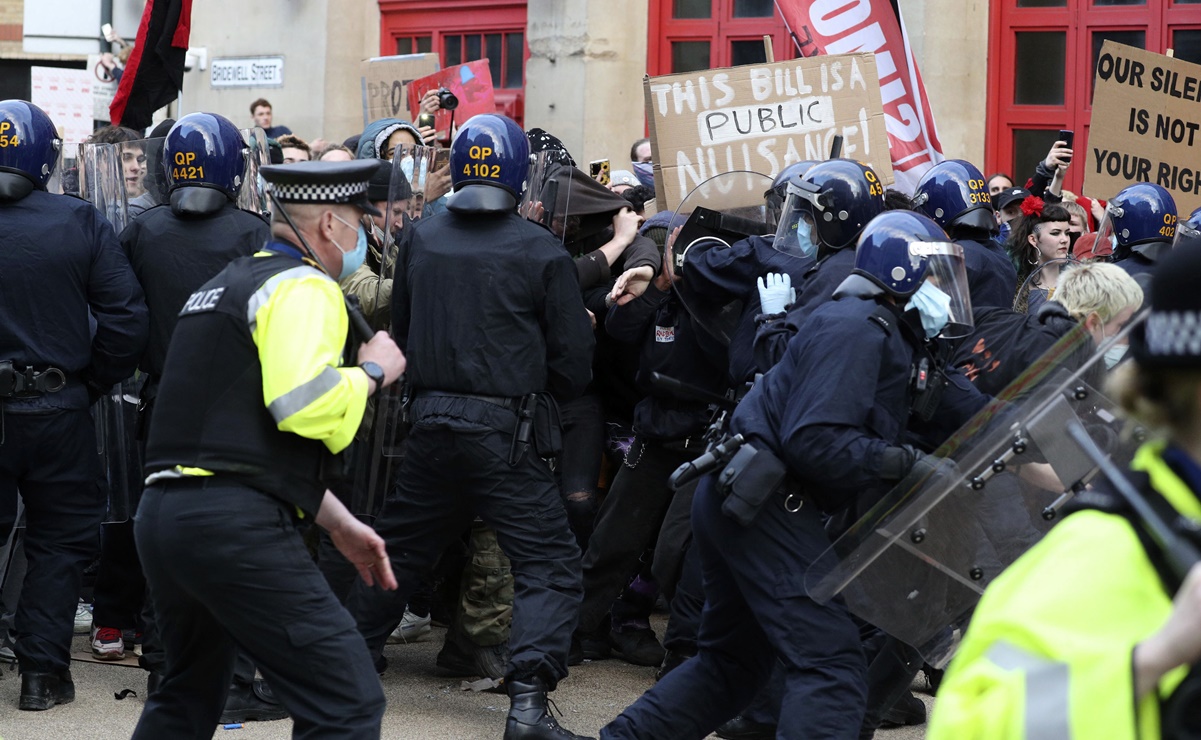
(418, 165)
(150, 188)
(102, 181)
(117, 420)
(917, 562)
(536, 195)
(1031, 294)
(253, 195)
(717, 213)
(373, 459)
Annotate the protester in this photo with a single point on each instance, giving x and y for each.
(262, 113)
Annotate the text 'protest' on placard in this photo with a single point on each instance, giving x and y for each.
(762, 118)
(1145, 125)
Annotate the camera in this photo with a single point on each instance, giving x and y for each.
(447, 99)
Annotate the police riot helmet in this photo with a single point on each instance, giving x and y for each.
(489, 164)
(29, 143)
(1141, 213)
(837, 198)
(205, 150)
(776, 195)
(955, 194)
(1189, 229)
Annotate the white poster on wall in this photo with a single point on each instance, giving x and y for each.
(66, 96)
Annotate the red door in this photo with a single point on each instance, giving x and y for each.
(1044, 54)
(463, 31)
(690, 35)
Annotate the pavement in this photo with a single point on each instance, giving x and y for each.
(421, 706)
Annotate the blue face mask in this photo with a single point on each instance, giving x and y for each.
(353, 260)
(645, 172)
(1004, 235)
(933, 305)
(804, 238)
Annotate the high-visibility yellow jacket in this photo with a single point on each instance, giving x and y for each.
(1049, 650)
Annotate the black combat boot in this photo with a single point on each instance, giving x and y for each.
(42, 690)
(529, 718)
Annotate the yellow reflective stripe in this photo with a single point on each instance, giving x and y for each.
(176, 473)
(1149, 459)
(263, 294)
(1047, 688)
(297, 399)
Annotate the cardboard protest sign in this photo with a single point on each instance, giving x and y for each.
(1145, 124)
(386, 80)
(471, 83)
(762, 118)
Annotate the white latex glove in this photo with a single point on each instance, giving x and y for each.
(776, 292)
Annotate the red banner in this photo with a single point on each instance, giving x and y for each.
(847, 26)
(471, 83)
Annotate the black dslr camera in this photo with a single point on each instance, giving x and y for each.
(447, 99)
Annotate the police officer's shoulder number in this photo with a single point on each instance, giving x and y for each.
(7, 139)
(184, 167)
(202, 301)
(480, 166)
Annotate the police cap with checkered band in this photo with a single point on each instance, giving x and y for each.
(323, 183)
(1171, 335)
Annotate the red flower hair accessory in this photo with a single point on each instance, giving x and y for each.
(1033, 206)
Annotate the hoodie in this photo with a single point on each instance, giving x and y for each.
(371, 141)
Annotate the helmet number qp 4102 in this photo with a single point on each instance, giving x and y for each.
(479, 169)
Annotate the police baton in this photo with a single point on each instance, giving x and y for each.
(354, 312)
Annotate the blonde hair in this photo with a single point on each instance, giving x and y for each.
(1097, 287)
(1075, 209)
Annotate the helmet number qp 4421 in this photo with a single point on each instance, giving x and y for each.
(187, 173)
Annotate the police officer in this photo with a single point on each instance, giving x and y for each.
(62, 267)
(955, 195)
(253, 395)
(488, 307)
(813, 447)
(1140, 224)
(175, 248)
(826, 212)
(719, 276)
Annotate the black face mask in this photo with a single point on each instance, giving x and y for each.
(1073, 237)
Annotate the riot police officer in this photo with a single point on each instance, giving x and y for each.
(813, 446)
(175, 248)
(487, 305)
(1140, 224)
(955, 195)
(252, 397)
(62, 266)
(826, 212)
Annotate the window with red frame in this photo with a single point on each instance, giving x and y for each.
(691, 35)
(1043, 59)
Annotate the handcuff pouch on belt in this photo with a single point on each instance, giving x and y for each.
(750, 478)
(27, 383)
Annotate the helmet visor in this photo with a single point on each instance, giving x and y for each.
(1185, 231)
(795, 234)
(946, 271)
(1106, 238)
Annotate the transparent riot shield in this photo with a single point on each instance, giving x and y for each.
(373, 459)
(102, 181)
(1034, 292)
(145, 175)
(717, 213)
(418, 166)
(542, 165)
(117, 420)
(917, 562)
(253, 195)
(64, 180)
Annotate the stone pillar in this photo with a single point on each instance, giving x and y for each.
(353, 28)
(584, 75)
(950, 41)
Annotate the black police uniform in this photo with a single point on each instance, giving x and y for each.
(173, 252)
(991, 278)
(1139, 261)
(487, 308)
(63, 270)
(828, 415)
(722, 276)
(226, 564)
(668, 433)
(817, 287)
